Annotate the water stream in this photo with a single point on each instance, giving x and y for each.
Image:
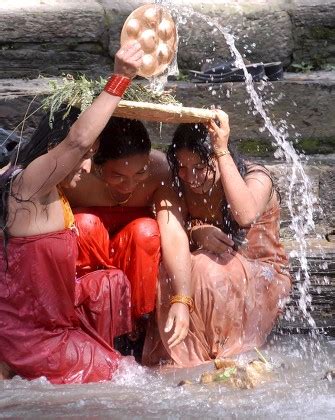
(300, 199)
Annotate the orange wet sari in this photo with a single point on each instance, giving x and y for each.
(238, 296)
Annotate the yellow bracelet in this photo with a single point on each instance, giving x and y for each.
(186, 300)
(220, 153)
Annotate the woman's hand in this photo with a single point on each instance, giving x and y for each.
(211, 238)
(179, 316)
(128, 60)
(219, 132)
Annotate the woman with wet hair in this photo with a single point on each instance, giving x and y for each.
(125, 210)
(239, 269)
(113, 211)
(53, 324)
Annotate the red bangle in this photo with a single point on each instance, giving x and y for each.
(117, 85)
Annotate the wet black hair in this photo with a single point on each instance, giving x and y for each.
(46, 136)
(195, 138)
(122, 138)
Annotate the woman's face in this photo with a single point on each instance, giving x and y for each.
(193, 172)
(125, 174)
(84, 166)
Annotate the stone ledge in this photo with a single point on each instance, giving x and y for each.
(305, 102)
(265, 31)
(321, 262)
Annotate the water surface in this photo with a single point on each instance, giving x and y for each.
(296, 392)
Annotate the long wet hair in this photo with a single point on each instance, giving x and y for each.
(196, 139)
(46, 136)
(122, 138)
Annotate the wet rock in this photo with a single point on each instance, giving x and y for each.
(314, 32)
(185, 382)
(330, 375)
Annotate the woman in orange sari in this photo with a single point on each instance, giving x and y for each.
(53, 323)
(239, 271)
(125, 210)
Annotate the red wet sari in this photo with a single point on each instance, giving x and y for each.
(124, 237)
(52, 324)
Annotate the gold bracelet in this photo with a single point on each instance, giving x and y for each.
(220, 153)
(186, 300)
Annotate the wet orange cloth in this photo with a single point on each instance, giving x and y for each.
(52, 324)
(67, 211)
(237, 297)
(124, 237)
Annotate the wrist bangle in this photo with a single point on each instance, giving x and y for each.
(117, 85)
(186, 300)
(220, 153)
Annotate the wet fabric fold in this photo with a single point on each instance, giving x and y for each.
(237, 297)
(124, 237)
(42, 332)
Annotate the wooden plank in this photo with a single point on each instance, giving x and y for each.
(167, 113)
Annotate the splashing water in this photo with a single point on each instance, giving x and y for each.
(300, 199)
(297, 391)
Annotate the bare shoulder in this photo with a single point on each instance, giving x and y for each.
(159, 166)
(259, 172)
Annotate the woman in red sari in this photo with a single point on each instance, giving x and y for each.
(239, 269)
(51, 323)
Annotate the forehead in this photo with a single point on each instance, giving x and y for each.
(127, 165)
(188, 157)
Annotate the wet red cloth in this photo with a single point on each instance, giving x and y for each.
(124, 237)
(42, 332)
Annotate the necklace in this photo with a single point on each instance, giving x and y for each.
(112, 196)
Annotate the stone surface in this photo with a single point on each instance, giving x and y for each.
(319, 288)
(314, 33)
(302, 104)
(54, 36)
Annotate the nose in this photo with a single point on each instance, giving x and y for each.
(190, 176)
(86, 165)
(128, 185)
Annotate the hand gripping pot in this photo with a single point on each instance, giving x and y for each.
(153, 27)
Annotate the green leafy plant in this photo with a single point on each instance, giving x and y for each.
(226, 374)
(82, 91)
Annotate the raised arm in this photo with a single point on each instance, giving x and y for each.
(247, 196)
(177, 260)
(50, 169)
